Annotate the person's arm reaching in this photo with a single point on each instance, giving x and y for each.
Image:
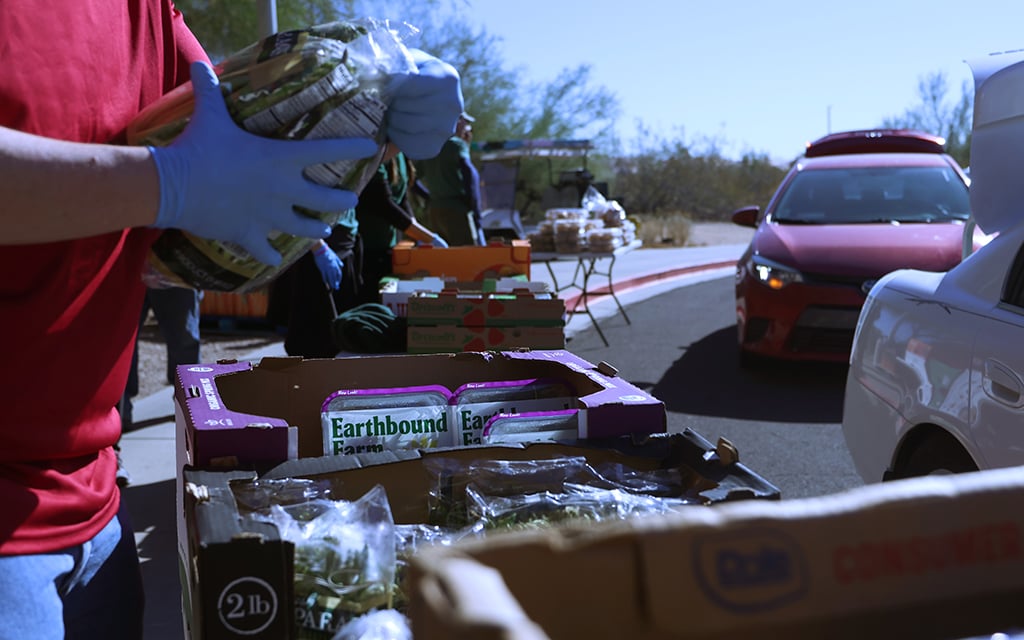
(215, 180)
(329, 264)
(376, 197)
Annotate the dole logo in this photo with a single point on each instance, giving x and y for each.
(750, 571)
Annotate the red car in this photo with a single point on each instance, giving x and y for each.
(856, 206)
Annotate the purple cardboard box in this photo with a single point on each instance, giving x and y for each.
(243, 415)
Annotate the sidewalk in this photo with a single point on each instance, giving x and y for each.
(149, 452)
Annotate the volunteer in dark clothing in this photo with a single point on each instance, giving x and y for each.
(454, 185)
(299, 300)
(384, 212)
(80, 212)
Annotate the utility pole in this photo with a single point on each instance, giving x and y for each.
(267, 18)
(828, 119)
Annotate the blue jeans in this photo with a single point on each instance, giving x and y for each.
(177, 315)
(93, 590)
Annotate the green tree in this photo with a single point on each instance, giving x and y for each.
(570, 105)
(941, 114)
(225, 26)
(669, 176)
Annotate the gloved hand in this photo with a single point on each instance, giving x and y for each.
(220, 182)
(425, 107)
(439, 242)
(329, 265)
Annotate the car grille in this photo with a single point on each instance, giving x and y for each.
(810, 340)
(833, 280)
(824, 330)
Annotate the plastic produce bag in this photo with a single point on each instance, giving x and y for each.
(344, 558)
(328, 81)
(547, 508)
(487, 494)
(385, 624)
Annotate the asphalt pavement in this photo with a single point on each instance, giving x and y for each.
(149, 452)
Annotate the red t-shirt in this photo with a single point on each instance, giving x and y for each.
(69, 311)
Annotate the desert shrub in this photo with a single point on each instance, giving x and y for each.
(663, 230)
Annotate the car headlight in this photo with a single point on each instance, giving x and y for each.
(772, 274)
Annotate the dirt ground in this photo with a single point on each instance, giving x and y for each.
(221, 345)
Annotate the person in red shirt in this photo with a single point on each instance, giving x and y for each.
(79, 212)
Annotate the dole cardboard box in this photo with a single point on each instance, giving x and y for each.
(241, 415)
(453, 338)
(495, 260)
(926, 558)
(239, 574)
(452, 306)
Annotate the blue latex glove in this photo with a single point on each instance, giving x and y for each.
(439, 242)
(329, 265)
(425, 107)
(220, 182)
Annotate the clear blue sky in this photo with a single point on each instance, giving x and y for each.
(753, 75)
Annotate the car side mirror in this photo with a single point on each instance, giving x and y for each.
(746, 216)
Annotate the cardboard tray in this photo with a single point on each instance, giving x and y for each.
(240, 415)
(240, 575)
(453, 306)
(395, 292)
(454, 338)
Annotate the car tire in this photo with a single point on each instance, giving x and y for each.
(937, 454)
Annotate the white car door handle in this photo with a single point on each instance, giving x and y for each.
(1002, 384)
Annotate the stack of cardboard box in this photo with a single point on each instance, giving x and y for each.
(460, 320)
(473, 299)
(238, 422)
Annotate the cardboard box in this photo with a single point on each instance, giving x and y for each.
(517, 308)
(462, 263)
(239, 576)
(240, 415)
(395, 292)
(935, 557)
(455, 338)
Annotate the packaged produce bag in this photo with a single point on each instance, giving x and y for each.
(328, 81)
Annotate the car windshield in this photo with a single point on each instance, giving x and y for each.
(865, 195)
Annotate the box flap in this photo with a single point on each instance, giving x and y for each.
(876, 549)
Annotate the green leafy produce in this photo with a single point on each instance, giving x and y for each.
(327, 81)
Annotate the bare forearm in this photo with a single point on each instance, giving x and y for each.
(52, 190)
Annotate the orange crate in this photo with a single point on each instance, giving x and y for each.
(235, 305)
(496, 260)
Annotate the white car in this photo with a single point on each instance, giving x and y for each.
(936, 378)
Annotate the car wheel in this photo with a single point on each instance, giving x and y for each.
(937, 454)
